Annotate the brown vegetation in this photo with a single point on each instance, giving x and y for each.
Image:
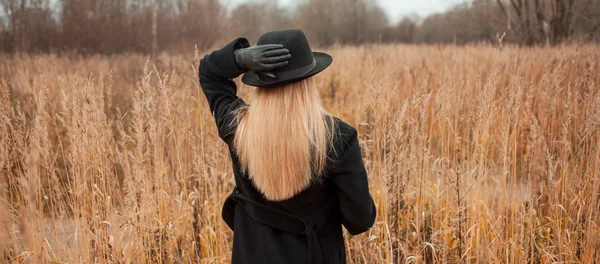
(475, 154)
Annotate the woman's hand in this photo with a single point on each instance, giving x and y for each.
(262, 58)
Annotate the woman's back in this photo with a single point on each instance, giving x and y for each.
(275, 226)
(338, 197)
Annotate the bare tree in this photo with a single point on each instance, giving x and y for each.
(537, 21)
(330, 21)
(154, 27)
(250, 20)
(313, 17)
(199, 22)
(15, 9)
(31, 24)
(405, 31)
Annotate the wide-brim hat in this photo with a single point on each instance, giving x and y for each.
(303, 63)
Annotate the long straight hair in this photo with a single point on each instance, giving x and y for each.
(283, 139)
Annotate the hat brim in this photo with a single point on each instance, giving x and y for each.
(322, 60)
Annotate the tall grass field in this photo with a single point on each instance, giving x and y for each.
(475, 154)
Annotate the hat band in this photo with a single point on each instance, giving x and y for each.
(286, 75)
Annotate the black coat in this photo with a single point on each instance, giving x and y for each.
(306, 228)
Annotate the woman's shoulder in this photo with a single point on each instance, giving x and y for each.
(344, 135)
(343, 129)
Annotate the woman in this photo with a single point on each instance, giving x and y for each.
(298, 171)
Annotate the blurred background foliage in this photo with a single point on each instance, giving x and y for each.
(149, 26)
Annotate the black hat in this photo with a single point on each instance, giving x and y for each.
(303, 63)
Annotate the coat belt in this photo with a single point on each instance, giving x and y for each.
(283, 221)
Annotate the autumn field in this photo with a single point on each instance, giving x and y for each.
(475, 154)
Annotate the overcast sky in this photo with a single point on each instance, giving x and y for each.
(395, 9)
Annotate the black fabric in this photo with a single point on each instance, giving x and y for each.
(288, 231)
(302, 56)
(277, 219)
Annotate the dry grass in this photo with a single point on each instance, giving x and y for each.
(475, 154)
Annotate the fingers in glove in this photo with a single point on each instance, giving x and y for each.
(271, 60)
(273, 66)
(270, 47)
(275, 52)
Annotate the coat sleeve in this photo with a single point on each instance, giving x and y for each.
(350, 178)
(216, 73)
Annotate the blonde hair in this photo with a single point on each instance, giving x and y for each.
(283, 138)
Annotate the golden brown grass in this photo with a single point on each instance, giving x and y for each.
(475, 154)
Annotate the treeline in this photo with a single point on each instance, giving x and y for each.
(147, 26)
(526, 22)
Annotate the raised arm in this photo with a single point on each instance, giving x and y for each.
(217, 70)
(350, 177)
(216, 73)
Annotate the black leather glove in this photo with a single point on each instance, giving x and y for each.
(262, 58)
